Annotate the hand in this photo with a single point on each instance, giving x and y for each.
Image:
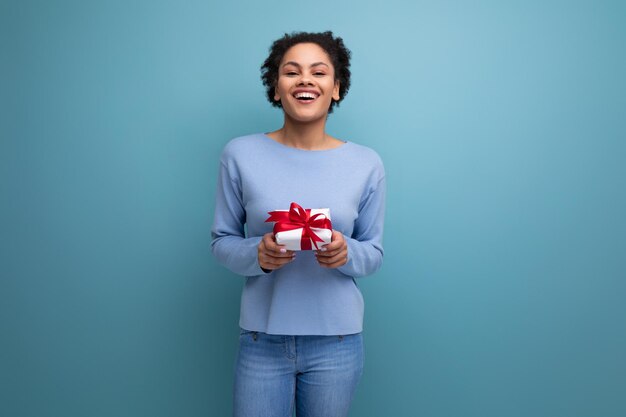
(334, 254)
(273, 256)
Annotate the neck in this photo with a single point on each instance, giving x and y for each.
(308, 136)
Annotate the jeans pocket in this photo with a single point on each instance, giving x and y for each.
(247, 333)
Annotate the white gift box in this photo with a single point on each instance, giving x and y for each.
(292, 238)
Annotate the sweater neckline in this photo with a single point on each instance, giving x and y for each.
(317, 151)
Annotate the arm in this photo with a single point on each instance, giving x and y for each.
(365, 246)
(361, 254)
(230, 245)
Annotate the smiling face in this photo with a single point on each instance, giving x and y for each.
(306, 82)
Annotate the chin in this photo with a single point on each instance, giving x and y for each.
(306, 119)
(304, 116)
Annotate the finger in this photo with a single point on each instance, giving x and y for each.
(337, 264)
(328, 260)
(275, 256)
(271, 267)
(272, 262)
(334, 249)
(277, 250)
(337, 241)
(278, 258)
(331, 253)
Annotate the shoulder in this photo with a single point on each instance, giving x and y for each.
(241, 146)
(366, 152)
(367, 157)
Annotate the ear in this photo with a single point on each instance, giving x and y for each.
(276, 95)
(336, 91)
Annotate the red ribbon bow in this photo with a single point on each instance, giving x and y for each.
(297, 218)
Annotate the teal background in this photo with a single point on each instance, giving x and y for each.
(502, 127)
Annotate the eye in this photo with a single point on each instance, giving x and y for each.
(319, 73)
(291, 73)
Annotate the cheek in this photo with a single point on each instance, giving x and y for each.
(281, 88)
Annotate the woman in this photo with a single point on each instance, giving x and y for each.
(301, 317)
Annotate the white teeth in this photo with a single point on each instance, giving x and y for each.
(305, 94)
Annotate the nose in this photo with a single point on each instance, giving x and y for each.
(304, 79)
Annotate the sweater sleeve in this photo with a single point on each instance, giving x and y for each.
(229, 243)
(365, 246)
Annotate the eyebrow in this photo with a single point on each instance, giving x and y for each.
(298, 65)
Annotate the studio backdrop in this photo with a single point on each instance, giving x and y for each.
(501, 125)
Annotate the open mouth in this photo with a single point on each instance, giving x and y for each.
(306, 97)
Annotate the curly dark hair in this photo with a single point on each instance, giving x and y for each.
(334, 47)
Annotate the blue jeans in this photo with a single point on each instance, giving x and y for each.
(316, 374)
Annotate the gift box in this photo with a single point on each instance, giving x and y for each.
(301, 229)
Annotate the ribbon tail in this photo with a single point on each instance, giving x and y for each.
(278, 216)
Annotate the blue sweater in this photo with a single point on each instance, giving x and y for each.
(257, 175)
